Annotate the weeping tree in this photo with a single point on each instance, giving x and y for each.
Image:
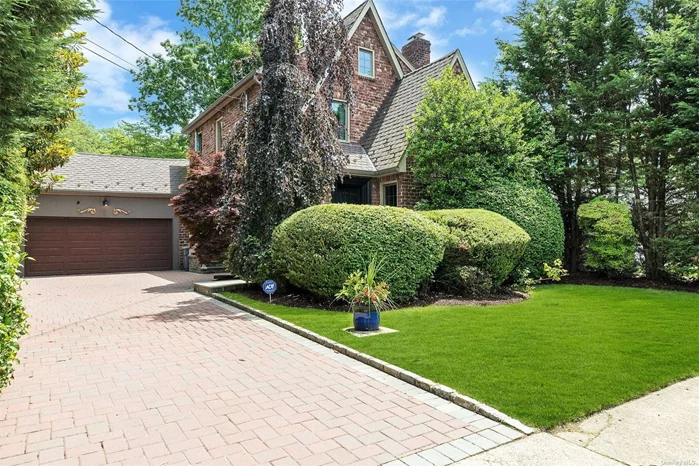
(288, 140)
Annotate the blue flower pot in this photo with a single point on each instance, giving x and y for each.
(366, 320)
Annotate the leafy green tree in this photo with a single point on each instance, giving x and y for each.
(464, 139)
(480, 149)
(289, 138)
(135, 139)
(84, 137)
(208, 58)
(609, 244)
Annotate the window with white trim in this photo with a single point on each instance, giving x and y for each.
(246, 101)
(219, 135)
(389, 194)
(197, 141)
(342, 115)
(366, 62)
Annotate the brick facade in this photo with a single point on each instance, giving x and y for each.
(229, 113)
(370, 94)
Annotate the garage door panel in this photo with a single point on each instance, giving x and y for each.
(92, 245)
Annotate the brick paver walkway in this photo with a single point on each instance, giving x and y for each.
(136, 369)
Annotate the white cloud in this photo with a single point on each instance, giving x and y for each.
(107, 84)
(477, 29)
(393, 20)
(498, 6)
(499, 25)
(434, 18)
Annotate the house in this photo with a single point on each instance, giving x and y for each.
(108, 214)
(388, 85)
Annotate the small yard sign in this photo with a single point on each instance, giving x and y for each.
(269, 287)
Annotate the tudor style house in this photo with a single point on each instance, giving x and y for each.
(388, 85)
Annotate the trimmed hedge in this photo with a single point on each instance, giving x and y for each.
(13, 319)
(483, 250)
(533, 209)
(610, 240)
(317, 248)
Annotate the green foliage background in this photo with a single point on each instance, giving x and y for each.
(317, 248)
(135, 139)
(610, 240)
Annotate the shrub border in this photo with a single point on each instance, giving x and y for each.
(428, 385)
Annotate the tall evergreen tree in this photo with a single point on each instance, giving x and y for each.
(569, 57)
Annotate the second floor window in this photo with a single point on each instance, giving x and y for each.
(197, 142)
(219, 135)
(340, 111)
(366, 63)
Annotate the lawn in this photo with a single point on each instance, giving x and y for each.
(566, 352)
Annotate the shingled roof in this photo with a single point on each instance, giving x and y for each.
(385, 141)
(116, 174)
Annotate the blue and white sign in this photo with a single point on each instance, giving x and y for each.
(269, 287)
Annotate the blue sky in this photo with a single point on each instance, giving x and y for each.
(470, 25)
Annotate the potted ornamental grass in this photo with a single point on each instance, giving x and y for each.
(366, 296)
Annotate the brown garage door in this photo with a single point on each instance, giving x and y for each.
(66, 246)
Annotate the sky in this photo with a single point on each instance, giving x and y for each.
(469, 25)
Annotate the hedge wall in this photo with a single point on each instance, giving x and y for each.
(317, 248)
(609, 245)
(481, 239)
(533, 209)
(13, 323)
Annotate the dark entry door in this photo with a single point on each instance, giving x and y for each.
(68, 246)
(352, 191)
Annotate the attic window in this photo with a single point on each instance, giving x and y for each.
(366, 62)
(340, 111)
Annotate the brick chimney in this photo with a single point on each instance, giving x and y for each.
(417, 50)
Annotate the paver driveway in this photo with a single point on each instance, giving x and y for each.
(137, 369)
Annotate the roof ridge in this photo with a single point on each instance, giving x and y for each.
(141, 157)
(361, 5)
(432, 63)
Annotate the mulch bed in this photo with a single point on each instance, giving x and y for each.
(592, 279)
(296, 298)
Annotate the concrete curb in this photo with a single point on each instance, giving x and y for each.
(439, 390)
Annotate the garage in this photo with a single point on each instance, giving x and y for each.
(67, 246)
(107, 214)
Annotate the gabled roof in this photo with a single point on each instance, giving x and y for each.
(385, 141)
(356, 17)
(118, 174)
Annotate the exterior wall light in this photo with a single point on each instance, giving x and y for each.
(105, 203)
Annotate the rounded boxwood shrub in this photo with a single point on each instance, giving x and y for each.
(480, 241)
(533, 209)
(317, 248)
(610, 240)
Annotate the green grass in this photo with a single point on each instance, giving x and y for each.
(566, 352)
